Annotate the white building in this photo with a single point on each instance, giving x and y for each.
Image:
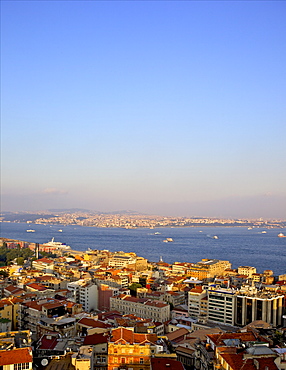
(221, 305)
(85, 293)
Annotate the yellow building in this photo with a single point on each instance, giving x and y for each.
(129, 349)
(9, 309)
(207, 268)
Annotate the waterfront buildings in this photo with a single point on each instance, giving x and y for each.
(81, 311)
(208, 268)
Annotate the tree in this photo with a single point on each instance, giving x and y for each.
(20, 261)
(133, 288)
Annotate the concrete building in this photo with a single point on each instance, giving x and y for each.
(85, 293)
(266, 306)
(208, 268)
(121, 259)
(145, 308)
(221, 305)
(246, 270)
(195, 298)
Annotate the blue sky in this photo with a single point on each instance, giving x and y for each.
(164, 107)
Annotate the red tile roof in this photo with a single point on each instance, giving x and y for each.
(238, 362)
(38, 287)
(218, 339)
(122, 335)
(166, 363)
(95, 339)
(93, 323)
(48, 342)
(16, 356)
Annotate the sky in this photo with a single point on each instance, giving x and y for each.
(161, 107)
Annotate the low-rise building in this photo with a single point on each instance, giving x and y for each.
(145, 308)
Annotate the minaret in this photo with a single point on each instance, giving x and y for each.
(37, 251)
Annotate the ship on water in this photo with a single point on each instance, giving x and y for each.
(57, 245)
(281, 235)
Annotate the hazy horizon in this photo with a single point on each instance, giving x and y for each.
(168, 108)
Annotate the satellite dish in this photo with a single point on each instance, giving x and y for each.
(44, 362)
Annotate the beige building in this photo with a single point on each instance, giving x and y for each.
(145, 308)
(246, 270)
(266, 306)
(195, 298)
(208, 268)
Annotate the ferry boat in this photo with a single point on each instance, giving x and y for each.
(168, 240)
(215, 237)
(57, 245)
(281, 235)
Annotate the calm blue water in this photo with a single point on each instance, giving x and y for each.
(240, 246)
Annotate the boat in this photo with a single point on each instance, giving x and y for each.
(168, 240)
(30, 231)
(60, 231)
(215, 237)
(263, 232)
(157, 233)
(281, 235)
(57, 245)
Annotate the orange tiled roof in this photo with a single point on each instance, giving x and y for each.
(218, 339)
(16, 356)
(237, 362)
(122, 335)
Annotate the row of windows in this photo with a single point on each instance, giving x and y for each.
(22, 366)
(124, 360)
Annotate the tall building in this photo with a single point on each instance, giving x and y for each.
(195, 297)
(263, 305)
(85, 293)
(221, 305)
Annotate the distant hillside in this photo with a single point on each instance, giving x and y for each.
(24, 217)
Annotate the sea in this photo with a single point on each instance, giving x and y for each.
(258, 247)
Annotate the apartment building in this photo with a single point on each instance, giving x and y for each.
(195, 298)
(145, 308)
(16, 358)
(208, 268)
(85, 293)
(121, 259)
(127, 349)
(221, 305)
(44, 264)
(246, 270)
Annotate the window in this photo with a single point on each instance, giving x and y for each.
(21, 366)
(141, 361)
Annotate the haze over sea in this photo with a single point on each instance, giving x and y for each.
(240, 246)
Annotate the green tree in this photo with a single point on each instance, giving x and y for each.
(133, 288)
(20, 261)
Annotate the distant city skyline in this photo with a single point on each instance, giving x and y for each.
(168, 108)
